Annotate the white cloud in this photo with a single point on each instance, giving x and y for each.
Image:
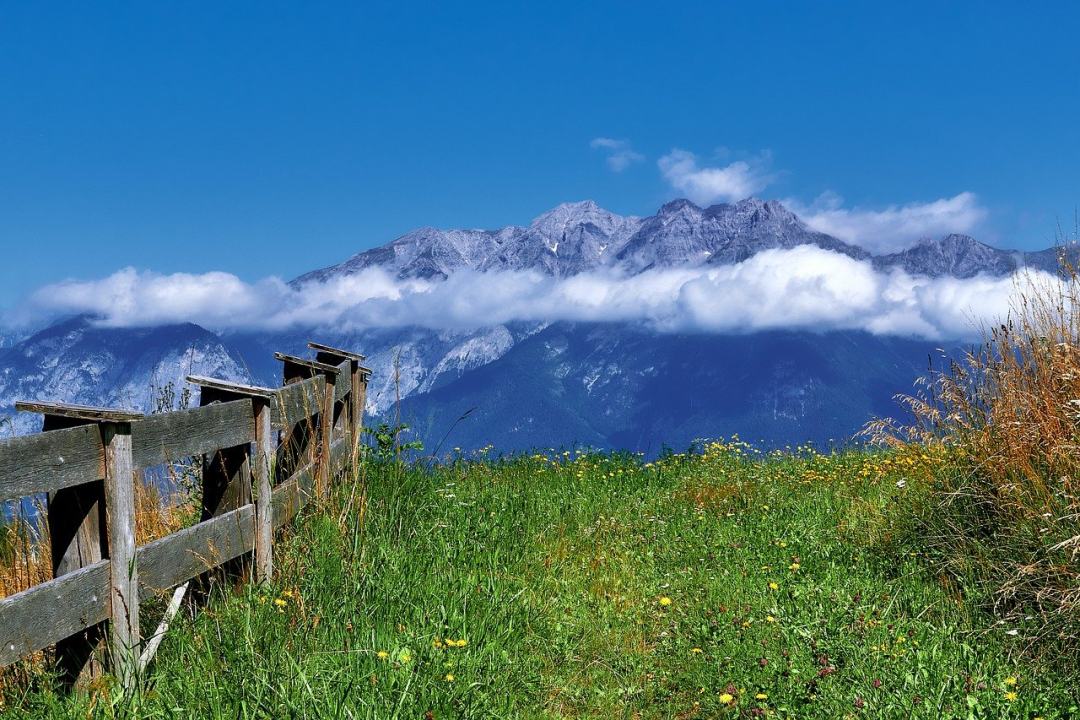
(708, 185)
(619, 153)
(800, 288)
(895, 227)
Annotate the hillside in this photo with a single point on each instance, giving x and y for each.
(577, 585)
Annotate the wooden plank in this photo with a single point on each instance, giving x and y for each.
(171, 436)
(358, 399)
(50, 461)
(52, 611)
(292, 495)
(339, 453)
(343, 384)
(298, 401)
(47, 613)
(79, 412)
(326, 435)
(228, 387)
(313, 365)
(341, 354)
(264, 512)
(77, 538)
(165, 563)
(123, 569)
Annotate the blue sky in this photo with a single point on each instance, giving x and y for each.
(272, 138)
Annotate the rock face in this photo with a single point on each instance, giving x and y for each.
(540, 384)
(75, 361)
(579, 237)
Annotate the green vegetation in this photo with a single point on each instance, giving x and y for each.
(722, 583)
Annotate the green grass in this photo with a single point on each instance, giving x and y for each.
(796, 578)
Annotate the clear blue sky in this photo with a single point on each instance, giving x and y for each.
(272, 138)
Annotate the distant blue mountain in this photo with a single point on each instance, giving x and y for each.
(540, 384)
(616, 386)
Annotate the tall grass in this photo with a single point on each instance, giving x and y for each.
(1006, 415)
(720, 584)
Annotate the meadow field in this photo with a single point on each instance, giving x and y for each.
(722, 582)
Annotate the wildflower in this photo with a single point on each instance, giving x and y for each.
(773, 586)
(665, 601)
(794, 566)
(382, 655)
(449, 677)
(727, 699)
(1010, 681)
(770, 618)
(1010, 696)
(405, 656)
(761, 696)
(696, 651)
(280, 602)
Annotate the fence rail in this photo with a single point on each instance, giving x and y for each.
(265, 454)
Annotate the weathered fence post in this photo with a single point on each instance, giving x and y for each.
(213, 390)
(96, 521)
(358, 377)
(123, 570)
(296, 369)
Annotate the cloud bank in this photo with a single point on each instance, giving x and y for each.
(895, 227)
(801, 288)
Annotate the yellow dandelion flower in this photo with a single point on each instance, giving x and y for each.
(696, 651)
(449, 677)
(382, 655)
(761, 696)
(280, 602)
(665, 601)
(1010, 696)
(794, 566)
(773, 586)
(727, 698)
(1010, 681)
(770, 618)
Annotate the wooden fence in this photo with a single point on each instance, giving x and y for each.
(265, 454)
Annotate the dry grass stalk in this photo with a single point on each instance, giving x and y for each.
(1008, 416)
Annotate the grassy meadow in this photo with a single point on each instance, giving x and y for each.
(718, 583)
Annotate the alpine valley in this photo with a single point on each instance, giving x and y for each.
(537, 383)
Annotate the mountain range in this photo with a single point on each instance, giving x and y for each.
(578, 237)
(527, 384)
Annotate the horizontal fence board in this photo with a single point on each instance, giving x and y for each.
(298, 401)
(172, 436)
(50, 461)
(165, 563)
(289, 497)
(49, 612)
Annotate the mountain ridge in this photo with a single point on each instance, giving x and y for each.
(582, 236)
